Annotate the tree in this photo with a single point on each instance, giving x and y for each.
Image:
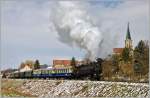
(115, 63)
(36, 64)
(141, 54)
(126, 55)
(29, 63)
(22, 65)
(140, 47)
(73, 62)
(107, 68)
(115, 60)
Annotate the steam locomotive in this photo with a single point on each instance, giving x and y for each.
(92, 71)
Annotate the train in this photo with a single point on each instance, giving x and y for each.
(92, 71)
(43, 73)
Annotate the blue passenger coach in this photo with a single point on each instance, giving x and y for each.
(52, 73)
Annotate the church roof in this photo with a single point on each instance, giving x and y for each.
(118, 50)
(128, 36)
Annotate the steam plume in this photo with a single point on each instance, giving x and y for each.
(76, 28)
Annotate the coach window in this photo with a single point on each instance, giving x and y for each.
(56, 71)
(45, 71)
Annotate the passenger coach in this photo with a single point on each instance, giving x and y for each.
(52, 73)
(44, 73)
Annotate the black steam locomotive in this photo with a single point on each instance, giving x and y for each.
(91, 70)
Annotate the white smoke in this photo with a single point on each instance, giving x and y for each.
(76, 28)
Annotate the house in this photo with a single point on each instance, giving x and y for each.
(63, 63)
(25, 68)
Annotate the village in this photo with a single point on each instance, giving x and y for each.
(74, 48)
(124, 64)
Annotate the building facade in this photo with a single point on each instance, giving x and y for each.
(128, 44)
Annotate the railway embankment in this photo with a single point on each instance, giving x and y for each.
(50, 88)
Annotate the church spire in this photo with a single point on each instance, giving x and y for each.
(128, 41)
(128, 36)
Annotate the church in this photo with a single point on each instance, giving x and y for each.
(128, 44)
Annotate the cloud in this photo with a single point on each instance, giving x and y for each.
(28, 33)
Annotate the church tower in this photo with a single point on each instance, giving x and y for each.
(128, 41)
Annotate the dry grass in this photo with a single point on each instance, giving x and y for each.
(11, 88)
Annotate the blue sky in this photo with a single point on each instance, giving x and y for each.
(27, 32)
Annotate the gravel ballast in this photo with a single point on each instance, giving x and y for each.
(49, 88)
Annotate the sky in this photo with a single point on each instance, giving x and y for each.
(28, 33)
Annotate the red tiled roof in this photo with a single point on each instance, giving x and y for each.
(118, 50)
(61, 62)
(64, 62)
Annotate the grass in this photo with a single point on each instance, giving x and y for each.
(11, 88)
